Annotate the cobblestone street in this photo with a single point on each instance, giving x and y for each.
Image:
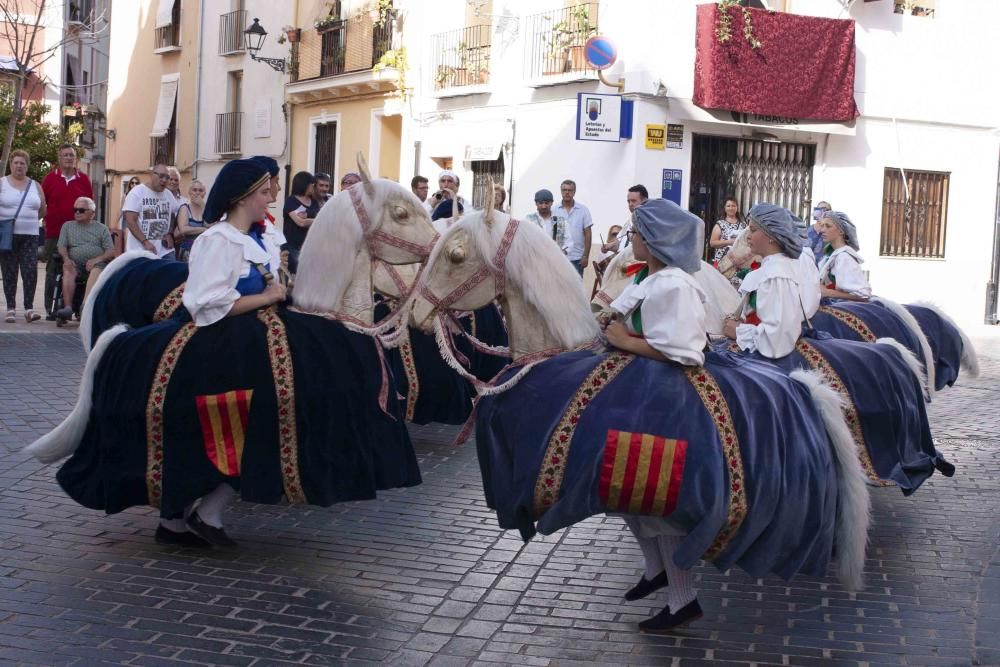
(424, 576)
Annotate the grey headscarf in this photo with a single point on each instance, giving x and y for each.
(850, 231)
(802, 226)
(777, 223)
(674, 236)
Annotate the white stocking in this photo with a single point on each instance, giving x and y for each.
(652, 562)
(211, 505)
(681, 590)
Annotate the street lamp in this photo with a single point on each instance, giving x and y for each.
(254, 37)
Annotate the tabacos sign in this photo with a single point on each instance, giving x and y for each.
(761, 119)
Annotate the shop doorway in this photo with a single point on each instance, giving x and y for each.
(752, 171)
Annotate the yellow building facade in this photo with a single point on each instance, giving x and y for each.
(152, 92)
(340, 105)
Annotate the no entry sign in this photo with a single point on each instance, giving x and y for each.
(600, 52)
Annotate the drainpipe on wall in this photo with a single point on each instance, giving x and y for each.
(416, 157)
(197, 92)
(992, 285)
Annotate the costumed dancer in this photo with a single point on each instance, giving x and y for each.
(276, 236)
(772, 309)
(840, 271)
(662, 316)
(230, 273)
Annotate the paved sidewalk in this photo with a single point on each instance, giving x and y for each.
(424, 576)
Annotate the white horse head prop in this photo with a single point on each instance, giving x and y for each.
(739, 256)
(488, 255)
(372, 221)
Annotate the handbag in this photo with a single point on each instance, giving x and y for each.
(7, 226)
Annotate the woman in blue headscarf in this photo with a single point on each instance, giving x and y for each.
(232, 263)
(770, 321)
(662, 316)
(840, 271)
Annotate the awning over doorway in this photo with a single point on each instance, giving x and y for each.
(683, 108)
(803, 69)
(165, 105)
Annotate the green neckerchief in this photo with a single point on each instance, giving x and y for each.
(637, 313)
(827, 251)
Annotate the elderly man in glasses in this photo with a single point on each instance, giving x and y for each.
(148, 210)
(86, 248)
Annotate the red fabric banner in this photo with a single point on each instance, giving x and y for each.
(803, 69)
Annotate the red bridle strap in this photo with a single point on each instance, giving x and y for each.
(481, 274)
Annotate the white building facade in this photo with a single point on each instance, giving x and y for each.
(495, 93)
(240, 104)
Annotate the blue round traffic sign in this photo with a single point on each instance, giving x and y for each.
(600, 52)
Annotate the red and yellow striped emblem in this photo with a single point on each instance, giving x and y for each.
(223, 425)
(641, 473)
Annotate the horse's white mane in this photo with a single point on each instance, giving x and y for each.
(539, 270)
(326, 263)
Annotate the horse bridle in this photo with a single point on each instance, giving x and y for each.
(496, 270)
(371, 238)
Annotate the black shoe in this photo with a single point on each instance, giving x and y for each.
(50, 318)
(215, 536)
(186, 539)
(665, 621)
(944, 467)
(646, 586)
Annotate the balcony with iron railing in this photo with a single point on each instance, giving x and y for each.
(231, 27)
(228, 132)
(555, 43)
(168, 38)
(461, 58)
(340, 46)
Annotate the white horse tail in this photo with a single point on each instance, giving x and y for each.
(970, 360)
(63, 440)
(87, 315)
(910, 359)
(925, 347)
(854, 500)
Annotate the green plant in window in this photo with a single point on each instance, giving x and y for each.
(395, 59)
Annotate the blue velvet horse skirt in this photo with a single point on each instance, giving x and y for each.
(734, 454)
(146, 291)
(278, 404)
(883, 405)
(868, 321)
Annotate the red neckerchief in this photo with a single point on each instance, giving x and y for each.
(634, 268)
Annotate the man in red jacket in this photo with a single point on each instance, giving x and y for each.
(62, 186)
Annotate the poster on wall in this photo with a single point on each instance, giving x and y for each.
(675, 136)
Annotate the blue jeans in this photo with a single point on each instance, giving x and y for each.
(578, 265)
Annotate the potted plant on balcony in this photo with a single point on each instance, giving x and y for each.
(395, 59)
(460, 73)
(443, 78)
(382, 12)
(325, 23)
(581, 31)
(71, 110)
(483, 74)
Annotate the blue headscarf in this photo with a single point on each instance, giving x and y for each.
(674, 236)
(444, 210)
(803, 228)
(235, 181)
(268, 163)
(777, 223)
(850, 231)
